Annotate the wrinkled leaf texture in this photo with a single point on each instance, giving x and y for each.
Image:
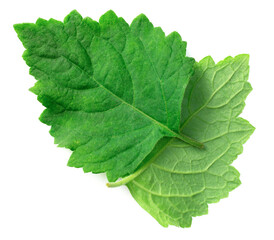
(114, 95)
(111, 90)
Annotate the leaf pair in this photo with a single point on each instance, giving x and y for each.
(121, 97)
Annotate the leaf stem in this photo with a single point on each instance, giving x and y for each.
(139, 171)
(129, 178)
(190, 141)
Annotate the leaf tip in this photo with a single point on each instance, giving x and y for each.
(19, 28)
(74, 16)
(208, 59)
(16, 27)
(142, 17)
(140, 20)
(242, 58)
(108, 17)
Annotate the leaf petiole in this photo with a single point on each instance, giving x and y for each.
(139, 171)
(190, 141)
(129, 178)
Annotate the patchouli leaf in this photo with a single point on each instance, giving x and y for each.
(111, 90)
(182, 180)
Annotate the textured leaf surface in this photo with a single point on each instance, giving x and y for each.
(111, 90)
(181, 182)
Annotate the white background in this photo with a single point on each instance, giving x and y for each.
(41, 198)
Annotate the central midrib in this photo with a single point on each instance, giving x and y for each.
(123, 101)
(175, 134)
(183, 138)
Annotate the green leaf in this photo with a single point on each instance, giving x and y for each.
(182, 180)
(111, 90)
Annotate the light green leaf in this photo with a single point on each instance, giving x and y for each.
(111, 90)
(182, 180)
